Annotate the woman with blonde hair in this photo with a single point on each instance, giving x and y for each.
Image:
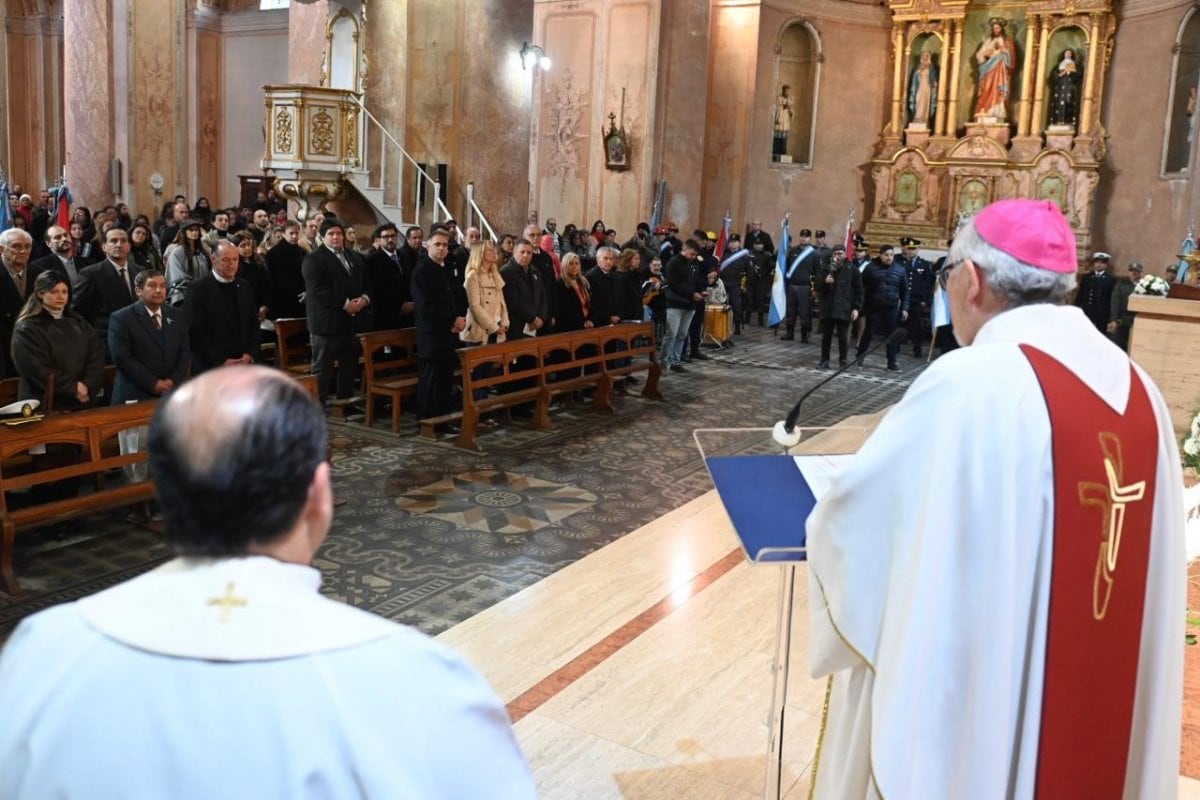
(487, 313)
(574, 296)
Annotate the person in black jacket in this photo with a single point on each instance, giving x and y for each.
(222, 317)
(885, 284)
(1096, 290)
(682, 297)
(391, 282)
(284, 262)
(438, 325)
(840, 298)
(608, 294)
(337, 298)
(524, 293)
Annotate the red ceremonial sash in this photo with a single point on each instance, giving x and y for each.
(1104, 482)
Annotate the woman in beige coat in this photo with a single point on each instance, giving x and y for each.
(487, 316)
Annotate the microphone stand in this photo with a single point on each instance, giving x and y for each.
(784, 432)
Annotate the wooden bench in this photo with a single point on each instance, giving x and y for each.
(389, 369)
(553, 365)
(293, 350)
(94, 431)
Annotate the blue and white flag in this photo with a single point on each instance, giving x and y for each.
(778, 309)
(5, 211)
(940, 309)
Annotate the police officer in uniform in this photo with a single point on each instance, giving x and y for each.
(758, 279)
(1095, 291)
(802, 264)
(735, 269)
(921, 280)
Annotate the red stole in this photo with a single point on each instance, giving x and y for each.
(1104, 481)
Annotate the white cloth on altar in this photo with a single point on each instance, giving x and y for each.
(141, 691)
(929, 579)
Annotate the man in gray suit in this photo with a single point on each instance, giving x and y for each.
(148, 341)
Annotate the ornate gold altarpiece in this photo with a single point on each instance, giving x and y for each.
(927, 176)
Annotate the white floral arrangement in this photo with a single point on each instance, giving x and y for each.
(1191, 445)
(1152, 285)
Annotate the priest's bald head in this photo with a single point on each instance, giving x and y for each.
(1012, 253)
(238, 457)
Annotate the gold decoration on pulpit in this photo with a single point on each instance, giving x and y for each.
(321, 138)
(976, 114)
(283, 131)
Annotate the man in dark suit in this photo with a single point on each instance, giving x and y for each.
(524, 292)
(1096, 291)
(222, 315)
(61, 257)
(391, 282)
(284, 262)
(15, 285)
(337, 299)
(545, 267)
(149, 343)
(106, 286)
(438, 326)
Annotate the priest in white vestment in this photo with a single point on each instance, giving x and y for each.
(962, 660)
(224, 673)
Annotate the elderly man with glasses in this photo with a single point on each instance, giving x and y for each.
(1009, 626)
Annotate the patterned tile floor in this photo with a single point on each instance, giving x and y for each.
(430, 535)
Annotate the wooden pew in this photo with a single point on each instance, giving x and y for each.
(552, 365)
(389, 369)
(293, 351)
(95, 432)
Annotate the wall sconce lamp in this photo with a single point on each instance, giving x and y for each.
(532, 54)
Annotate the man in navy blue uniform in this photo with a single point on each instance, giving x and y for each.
(885, 284)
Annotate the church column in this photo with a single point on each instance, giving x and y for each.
(1095, 42)
(897, 75)
(955, 60)
(88, 101)
(1027, 74)
(939, 127)
(1039, 86)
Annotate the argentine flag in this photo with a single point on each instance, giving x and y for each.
(778, 309)
(940, 311)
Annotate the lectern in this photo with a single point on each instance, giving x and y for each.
(768, 494)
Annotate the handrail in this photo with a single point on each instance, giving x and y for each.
(438, 205)
(473, 208)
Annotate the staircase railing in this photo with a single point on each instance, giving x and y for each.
(422, 182)
(473, 210)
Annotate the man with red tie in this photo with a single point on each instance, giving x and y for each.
(1011, 627)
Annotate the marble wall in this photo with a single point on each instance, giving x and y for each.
(88, 99)
(1140, 214)
(306, 41)
(254, 53)
(157, 121)
(598, 48)
(739, 173)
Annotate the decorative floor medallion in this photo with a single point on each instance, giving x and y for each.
(496, 501)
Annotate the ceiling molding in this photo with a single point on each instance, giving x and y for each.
(255, 21)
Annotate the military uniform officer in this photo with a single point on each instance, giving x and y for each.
(735, 269)
(921, 280)
(802, 263)
(1095, 291)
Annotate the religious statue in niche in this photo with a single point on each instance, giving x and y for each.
(1064, 91)
(782, 124)
(922, 92)
(997, 58)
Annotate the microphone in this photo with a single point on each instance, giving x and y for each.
(785, 432)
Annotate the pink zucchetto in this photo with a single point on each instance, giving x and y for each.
(1032, 231)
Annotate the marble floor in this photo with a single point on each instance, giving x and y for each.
(643, 670)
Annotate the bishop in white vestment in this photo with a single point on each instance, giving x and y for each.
(224, 673)
(992, 624)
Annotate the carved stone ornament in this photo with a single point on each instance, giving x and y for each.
(980, 148)
(321, 138)
(283, 131)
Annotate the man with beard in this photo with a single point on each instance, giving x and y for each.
(61, 258)
(388, 281)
